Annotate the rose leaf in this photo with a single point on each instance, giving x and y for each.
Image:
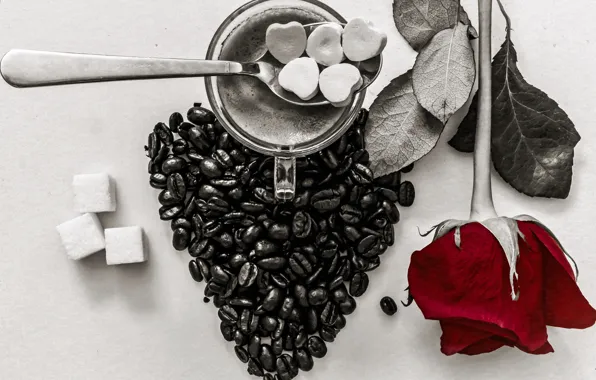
(465, 137)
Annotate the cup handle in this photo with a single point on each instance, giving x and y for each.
(285, 178)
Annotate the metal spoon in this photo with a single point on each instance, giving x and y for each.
(30, 68)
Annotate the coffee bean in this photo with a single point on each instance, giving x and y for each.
(361, 156)
(279, 280)
(200, 116)
(175, 120)
(350, 214)
(273, 299)
(248, 275)
(181, 223)
(204, 268)
(201, 248)
(361, 174)
(219, 275)
(316, 347)
(358, 284)
(180, 239)
(388, 194)
(340, 323)
(302, 199)
(252, 207)
(302, 225)
(408, 168)
(176, 186)
(267, 357)
(286, 366)
(207, 191)
(329, 158)
(195, 157)
(248, 323)
(311, 321)
(329, 249)
(264, 195)
(367, 243)
(314, 276)
(163, 133)
(286, 307)
(153, 145)
(304, 359)
(195, 272)
(329, 314)
(241, 302)
(326, 200)
(345, 165)
(254, 344)
(328, 333)
(272, 263)
(212, 228)
(237, 156)
(172, 165)
(227, 331)
(210, 168)
(390, 181)
(391, 211)
(264, 248)
(241, 353)
(228, 315)
(406, 194)
(352, 233)
(166, 198)
(300, 265)
(170, 212)
(373, 263)
(348, 306)
(254, 368)
(317, 296)
(388, 305)
(180, 147)
(277, 346)
(223, 158)
(279, 231)
(226, 182)
(301, 295)
(368, 201)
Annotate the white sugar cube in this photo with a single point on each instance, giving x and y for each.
(124, 245)
(94, 193)
(82, 236)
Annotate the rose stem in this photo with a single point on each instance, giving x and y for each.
(482, 198)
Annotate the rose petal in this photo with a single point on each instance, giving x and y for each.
(564, 304)
(457, 338)
(484, 346)
(545, 349)
(472, 283)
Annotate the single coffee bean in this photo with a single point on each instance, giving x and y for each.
(316, 347)
(373, 263)
(218, 205)
(207, 191)
(225, 182)
(252, 207)
(279, 330)
(264, 248)
(177, 186)
(279, 280)
(252, 233)
(326, 200)
(358, 284)
(358, 262)
(204, 268)
(163, 133)
(336, 282)
(329, 314)
(180, 239)
(268, 323)
(406, 194)
(248, 323)
(300, 265)
(278, 231)
(388, 194)
(304, 359)
(388, 305)
(301, 295)
(286, 366)
(361, 156)
(248, 275)
(267, 357)
(219, 275)
(254, 344)
(317, 296)
(227, 331)
(329, 249)
(181, 223)
(329, 158)
(328, 333)
(175, 120)
(345, 165)
(212, 228)
(200, 116)
(254, 368)
(228, 314)
(153, 145)
(408, 168)
(223, 158)
(240, 339)
(311, 321)
(195, 157)
(240, 302)
(361, 174)
(314, 276)
(348, 306)
(237, 156)
(211, 168)
(166, 198)
(241, 353)
(390, 181)
(277, 346)
(302, 225)
(369, 200)
(172, 165)
(352, 233)
(367, 243)
(273, 299)
(340, 323)
(272, 263)
(170, 212)
(195, 272)
(264, 195)
(201, 248)
(180, 147)
(286, 307)
(350, 214)
(391, 211)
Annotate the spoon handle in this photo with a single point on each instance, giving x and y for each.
(29, 68)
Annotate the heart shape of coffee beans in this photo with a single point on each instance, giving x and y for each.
(285, 272)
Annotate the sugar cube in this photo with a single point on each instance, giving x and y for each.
(82, 236)
(94, 193)
(124, 245)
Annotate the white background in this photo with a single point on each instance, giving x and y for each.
(61, 319)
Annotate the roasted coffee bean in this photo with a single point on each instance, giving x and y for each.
(317, 296)
(302, 225)
(329, 158)
(311, 321)
(216, 288)
(218, 205)
(219, 275)
(172, 165)
(200, 116)
(195, 158)
(388, 194)
(180, 147)
(286, 308)
(345, 269)
(223, 158)
(264, 195)
(369, 200)
(361, 157)
(329, 249)
(204, 268)
(268, 323)
(340, 323)
(304, 359)
(388, 305)
(170, 212)
(163, 133)
(252, 233)
(406, 194)
(248, 275)
(358, 138)
(248, 323)
(314, 276)
(241, 353)
(278, 231)
(348, 306)
(358, 284)
(159, 179)
(176, 186)
(195, 272)
(329, 314)
(184, 129)
(279, 280)
(300, 265)
(212, 228)
(263, 281)
(254, 368)
(175, 120)
(302, 199)
(153, 145)
(389, 234)
(286, 366)
(207, 191)
(336, 282)
(391, 211)
(240, 302)
(373, 263)
(390, 181)
(301, 338)
(408, 168)
(211, 168)
(227, 331)
(240, 339)
(228, 314)
(277, 346)
(352, 233)
(380, 222)
(361, 174)
(328, 333)
(279, 330)
(180, 239)
(201, 248)
(350, 214)
(166, 198)
(265, 248)
(226, 182)
(359, 263)
(237, 156)
(272, 263)
(252, 207)
(254, 344)
(267, 357)
(301, 294)
(236, 194)
(367, 243)
(326, 200)
(273, 299)
(316, 347)
(181, 223)
(224, 141)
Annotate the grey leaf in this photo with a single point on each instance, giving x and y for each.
(506, 232)
(444, 73)
(444, 227)
(399, 131)
(419, 20)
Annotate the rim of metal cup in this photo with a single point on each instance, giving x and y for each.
(328, 138)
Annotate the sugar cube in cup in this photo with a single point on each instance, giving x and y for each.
(82, 236)
(124, 245)
(94, 193)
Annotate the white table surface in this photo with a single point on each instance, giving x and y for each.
(62, 320)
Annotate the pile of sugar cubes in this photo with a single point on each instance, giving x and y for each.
(84, 235)
(326, 48)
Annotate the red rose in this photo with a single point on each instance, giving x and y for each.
(468, 290)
